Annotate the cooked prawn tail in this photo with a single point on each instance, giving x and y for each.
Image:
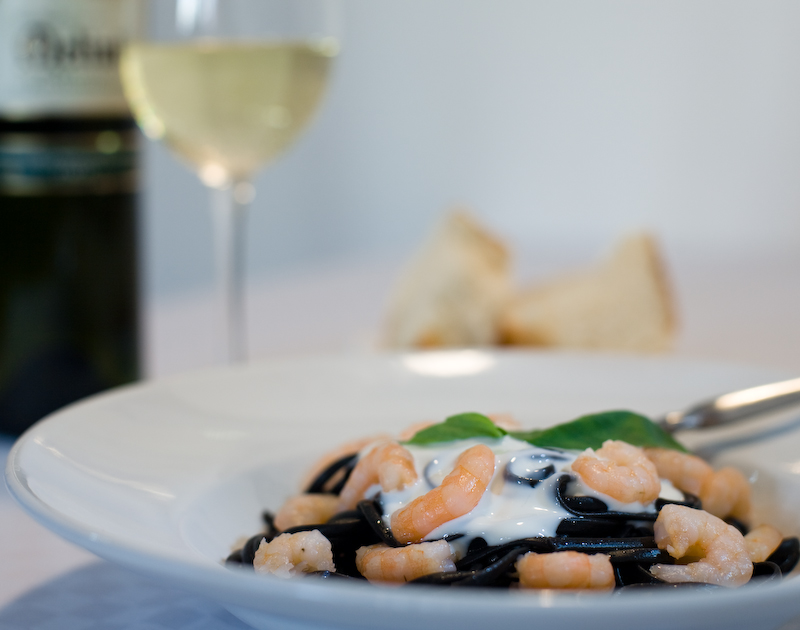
(458, 494)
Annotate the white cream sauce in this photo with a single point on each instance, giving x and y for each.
(509, 509)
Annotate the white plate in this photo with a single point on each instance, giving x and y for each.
(163, 477)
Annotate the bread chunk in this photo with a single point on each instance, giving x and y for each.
(622, 304)
(453, 291)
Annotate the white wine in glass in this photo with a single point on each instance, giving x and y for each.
(228, 89)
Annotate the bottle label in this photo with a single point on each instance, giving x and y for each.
(92, 163)
(60, 57)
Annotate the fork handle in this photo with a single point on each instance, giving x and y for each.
(734, 407)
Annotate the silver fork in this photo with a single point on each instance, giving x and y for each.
(734, 407)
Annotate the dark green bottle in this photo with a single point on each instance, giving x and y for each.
(69, 315)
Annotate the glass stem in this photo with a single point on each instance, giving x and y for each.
(229, 210)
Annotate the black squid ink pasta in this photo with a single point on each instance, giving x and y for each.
(600, 503)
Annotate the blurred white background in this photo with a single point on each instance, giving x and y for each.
(561, 124)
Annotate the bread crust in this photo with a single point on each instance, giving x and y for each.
(453, 291)
(457, 291)
(624, 303)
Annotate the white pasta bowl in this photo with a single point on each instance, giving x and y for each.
(165, 477)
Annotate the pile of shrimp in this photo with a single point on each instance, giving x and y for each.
(336, 528)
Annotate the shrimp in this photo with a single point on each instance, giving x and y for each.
(387, 463)
(718, 550)
(289, 554)
(306, 509)
(723, 493)
(619, 470)
(340, 451)
(762, 541)
(458, 494)
(380, 563)
(566, 570)
(686, 472)
(727, 493)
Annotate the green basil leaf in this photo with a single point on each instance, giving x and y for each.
(458, 427)
(592, 430)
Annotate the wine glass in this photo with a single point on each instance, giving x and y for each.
(228, 85)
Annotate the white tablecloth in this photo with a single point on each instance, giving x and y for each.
(738, 311)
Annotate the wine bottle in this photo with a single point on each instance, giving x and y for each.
(69, 320)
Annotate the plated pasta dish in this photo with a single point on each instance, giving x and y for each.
(604, 503)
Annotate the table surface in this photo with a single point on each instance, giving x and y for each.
(741, 311)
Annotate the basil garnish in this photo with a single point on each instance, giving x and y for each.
(459, 427)
(592, 430)
(588, 431)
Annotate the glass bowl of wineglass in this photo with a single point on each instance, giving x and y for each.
(228, 85)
